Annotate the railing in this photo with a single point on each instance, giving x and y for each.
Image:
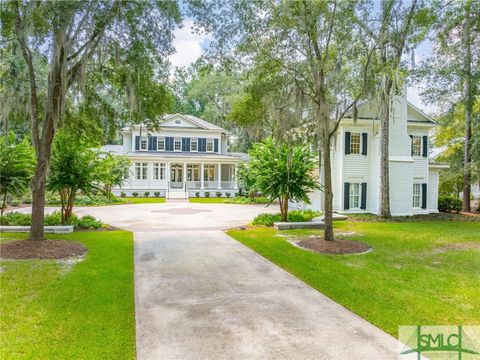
(228, 184)
(176, 184)
(193, 184)
(210, 184)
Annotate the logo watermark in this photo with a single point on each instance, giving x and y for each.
(439, 342)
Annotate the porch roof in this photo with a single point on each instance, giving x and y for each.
(232, 157)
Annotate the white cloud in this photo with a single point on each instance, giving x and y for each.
(188, 45)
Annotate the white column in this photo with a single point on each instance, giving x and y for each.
(167, 175)
(184, 172)
(235, 186)
(202, 176)
(219, 174)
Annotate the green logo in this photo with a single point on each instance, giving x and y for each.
(441, 342)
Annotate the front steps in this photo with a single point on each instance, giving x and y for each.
(176, 194)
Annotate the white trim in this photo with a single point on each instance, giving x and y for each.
(196, 142)
(140, 139)
(213, 145)
(175, 142)
(164, 143)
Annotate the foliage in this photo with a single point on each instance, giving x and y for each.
(283, 172)
(227, 194)
(122, 194)
(246, 179)
(90, 200)
(96, 293)
(146, 194)
(52, 219)
(113, 171)
(15, 219)
(134, 194)
(74, 168)
(89, 222)
(156, 194)
(17, 163)
(448, 204)
(248, 200)
(218, 194)
(197, 194)
(382, 279)
(207, 194)
(293, 216)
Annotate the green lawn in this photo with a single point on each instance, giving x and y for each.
(418, 273)
(207, 200)
(241, 200)
(87, 312)
(141, 200)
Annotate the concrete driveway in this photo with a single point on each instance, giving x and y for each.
(199, 294)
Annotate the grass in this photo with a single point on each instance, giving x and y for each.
(418, 273)
(51, 311)
(225, 200)
(141, 200)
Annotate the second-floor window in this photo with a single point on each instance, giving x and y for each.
(416, 146)
(193, 144)
(354, 195)
(144, 143)
(209, 145)
(177, 144)
(355, 143)
(161, 144)
(141, 171)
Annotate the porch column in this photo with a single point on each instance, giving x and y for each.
(219, 172)
(167, 175)
(235, 181)
(202, 176)
(184, 173)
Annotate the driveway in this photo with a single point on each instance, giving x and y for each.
(199, 294)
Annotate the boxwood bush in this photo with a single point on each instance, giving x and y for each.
(449, 204)
(293, 216)
(18, 219)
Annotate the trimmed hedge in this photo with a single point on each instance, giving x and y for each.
(293, 216)
(449, 204)
(19, 219)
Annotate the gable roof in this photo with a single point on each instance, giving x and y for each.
(195, 120)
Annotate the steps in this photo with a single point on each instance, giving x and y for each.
(176, 194)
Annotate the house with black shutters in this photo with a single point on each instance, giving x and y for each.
(183, 156)
(355, 164)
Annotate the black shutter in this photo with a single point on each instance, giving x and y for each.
(169, 143)
(202, 144)
(215, 145)
(347, 143)
(364, 143)
(346, 196)
(155, 143)
(424, 196)
(411, 145)
(425, 146)
(184, 144)
(150, 143)
(137, 142)
(363, 204)
(188, 144)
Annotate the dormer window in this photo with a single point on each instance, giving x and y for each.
(143, 143)
(161, 144)
(209, 145)
(177, 144)
(194, 144)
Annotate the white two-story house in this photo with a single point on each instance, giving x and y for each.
(185, 155)
(356, 163)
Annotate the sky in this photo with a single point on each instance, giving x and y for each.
(189, 47)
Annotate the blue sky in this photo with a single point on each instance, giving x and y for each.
(189, 47)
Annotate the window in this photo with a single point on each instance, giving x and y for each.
(417, 195)
(209, 172)
(209, 145)
(193, 173)
(416, 145)
(141, 171)
(194, 144)
(354, 195)
(161, 144)
(355, 143)
(177, 144)
(158, 171)
(143, 143)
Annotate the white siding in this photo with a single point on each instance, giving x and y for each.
(432, 191)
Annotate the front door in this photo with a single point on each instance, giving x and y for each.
(176, 176)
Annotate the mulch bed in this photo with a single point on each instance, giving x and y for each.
(338, 246)
(46, 249)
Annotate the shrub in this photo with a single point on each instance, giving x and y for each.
(218, 194)
(197, 194)
(228, 194)
(88, 222)
(156, 194)
(449, 203)
(134, 194)
(122, 194)
(236, 194)
(13, 202)
(55, 218)
(146, 193)
(27, 201)
(207, 194)
(15, 219)
(293, 216)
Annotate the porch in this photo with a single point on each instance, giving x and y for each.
(201, 176)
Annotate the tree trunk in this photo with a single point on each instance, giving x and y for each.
(4, 201)
(284, 207)
(328, 208)
(468, 100)
(38, 192)
(70, 201)
(384, 210)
